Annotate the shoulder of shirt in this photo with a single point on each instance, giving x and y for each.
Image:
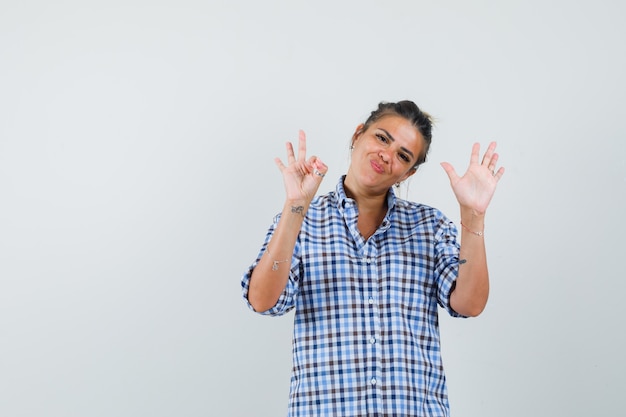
(400, 204)
(402, 207)
(417, 208)
(324, 199)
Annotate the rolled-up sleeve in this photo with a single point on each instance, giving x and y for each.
(447, 263)
(287, 299)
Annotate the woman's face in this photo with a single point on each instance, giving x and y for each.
(385, 153)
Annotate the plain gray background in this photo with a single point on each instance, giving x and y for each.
(137, 182)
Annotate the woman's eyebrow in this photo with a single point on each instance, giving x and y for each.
(393, 140)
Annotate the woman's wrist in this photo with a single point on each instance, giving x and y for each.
(480, 232)
(299, 206)
(472, 222)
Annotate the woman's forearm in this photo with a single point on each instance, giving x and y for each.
(269, 277)
(471, 291)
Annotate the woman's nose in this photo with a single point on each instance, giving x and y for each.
(383, 155)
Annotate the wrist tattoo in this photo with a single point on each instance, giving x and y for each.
(298, 210)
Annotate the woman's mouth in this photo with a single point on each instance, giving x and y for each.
(377, 167)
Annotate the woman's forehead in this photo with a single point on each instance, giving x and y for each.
(399, 124)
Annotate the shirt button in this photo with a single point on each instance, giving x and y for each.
(372, 340)
(368, 260)
(373, 381)
(370, 301)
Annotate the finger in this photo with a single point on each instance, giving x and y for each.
(474, 155)
(301, 146)
(499, 174)
(452, 175)
(279, 164)
(291, 158)
(493, 162)
(489, 155)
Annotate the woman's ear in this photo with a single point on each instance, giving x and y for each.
(357, 133)
(409, 173)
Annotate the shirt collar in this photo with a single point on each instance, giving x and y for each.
(343, 200)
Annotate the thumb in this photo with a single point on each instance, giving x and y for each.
(452, 175)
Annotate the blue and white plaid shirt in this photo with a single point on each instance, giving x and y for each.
(366, 334)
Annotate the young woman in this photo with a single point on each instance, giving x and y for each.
(366, 270)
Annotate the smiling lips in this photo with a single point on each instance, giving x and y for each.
(377, 167)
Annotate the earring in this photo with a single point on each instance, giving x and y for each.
(397, 185)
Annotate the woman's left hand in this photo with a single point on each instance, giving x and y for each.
(476, 187)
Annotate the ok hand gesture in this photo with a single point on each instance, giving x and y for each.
(301, 177)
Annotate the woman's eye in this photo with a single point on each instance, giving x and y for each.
(404, 158)
(382, 138)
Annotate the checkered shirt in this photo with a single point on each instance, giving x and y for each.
(366, 334)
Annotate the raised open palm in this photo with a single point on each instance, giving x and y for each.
(476, 187)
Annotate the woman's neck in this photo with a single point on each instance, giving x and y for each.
(370, 204)
(372, 210)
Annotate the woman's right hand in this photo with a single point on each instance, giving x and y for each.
(301, 177)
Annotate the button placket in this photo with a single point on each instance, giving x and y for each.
(369, 264)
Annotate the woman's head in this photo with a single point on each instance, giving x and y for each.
(421, 120)
(388, 147)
